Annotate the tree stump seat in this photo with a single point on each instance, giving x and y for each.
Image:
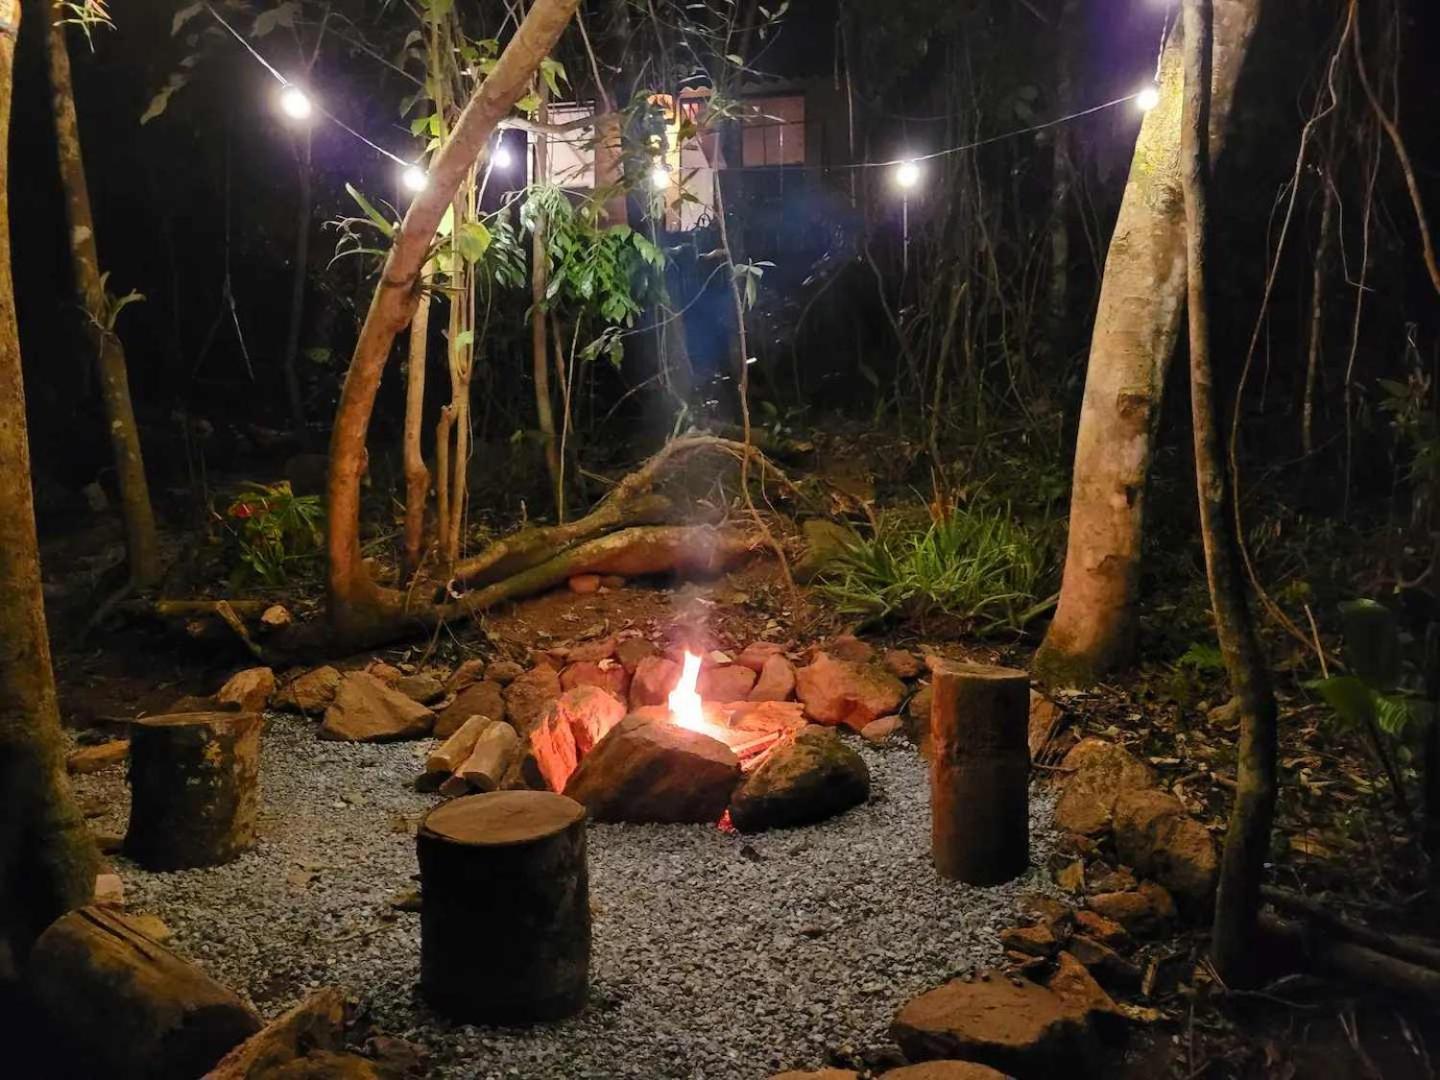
(194, 788)
(506, 868)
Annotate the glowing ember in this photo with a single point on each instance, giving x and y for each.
(685, 708)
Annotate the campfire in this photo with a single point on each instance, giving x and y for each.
(688, 711)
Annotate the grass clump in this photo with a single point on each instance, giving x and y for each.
(979, 566)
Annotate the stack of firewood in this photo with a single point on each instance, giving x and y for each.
(475, 758)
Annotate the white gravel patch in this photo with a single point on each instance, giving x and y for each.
(715, 956)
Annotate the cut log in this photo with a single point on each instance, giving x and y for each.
(513, 862)
(119, 1004)
(1413, 950)
(194, 781)
(494, 750)
(979, 772)
(451, 754)
(317, 1023)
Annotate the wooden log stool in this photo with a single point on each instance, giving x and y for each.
(194, 788)
(979, 772)
(505, 907)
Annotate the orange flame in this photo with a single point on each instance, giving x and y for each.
(684, 702)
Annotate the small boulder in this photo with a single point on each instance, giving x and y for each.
(776, 681)
(1107, 966)
(809, 778)
(276, 617)
(655, 677)
(583, 584)
(469, 671)
(316, 1024)
(1101, 772)
(1155, 835)
(477, 699)
(311, 692)
(1106, 931)
(591, 651)
(879, 731)
(389, 674)
(1038, 940)
(609, 675)
(91, 759)
(633, 650)
(366, 710)
(849, 647)
(943, 1070)
(756, 654)
(843, 692)
(503, 672)
(424, 688)
(1150, 909)
(725, 682)
(528, 698)
(648, 770)
(902, 663)
(250, 689)
(786, 716)
(575, 722)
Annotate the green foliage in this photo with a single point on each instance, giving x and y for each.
(1200, 657)
(273, 534)
(979, 565)
(1372, 696)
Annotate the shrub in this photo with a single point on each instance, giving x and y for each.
(273, 532)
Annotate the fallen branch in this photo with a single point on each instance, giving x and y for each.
(1410, 949)
(1345, 961)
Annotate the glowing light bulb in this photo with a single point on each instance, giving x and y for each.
(500, 157)
(907, 174)
(414, 178)
(1148, 98)
(660, 176)
(294, 103)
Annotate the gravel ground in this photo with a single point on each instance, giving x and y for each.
(715, 956)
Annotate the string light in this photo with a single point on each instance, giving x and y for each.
(415, 179)
(1148, 98)
(294, 102)
(907, 174)
(660, 176)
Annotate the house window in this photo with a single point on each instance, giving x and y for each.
(774, 134)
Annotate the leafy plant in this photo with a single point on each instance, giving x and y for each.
(979, 565)
(1372, 696)
(274, 532)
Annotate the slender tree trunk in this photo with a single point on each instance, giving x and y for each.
(299, 276)
(142, 544)
(539, 334)
(1063, 180)
(47, 862)
(358, 607)
(1136, 328)
(1248, 838)
(417, 477)
(1317, 317)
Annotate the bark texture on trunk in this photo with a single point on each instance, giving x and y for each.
(1136, 328)
(1247, 840)
(47, 862)
(539, 334)
(142, 546)
(357, 605)
(417, 476)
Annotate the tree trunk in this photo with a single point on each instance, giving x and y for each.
(47, 862)
(539, 334)
(417, 477)
(299, 275)
(1136, 327)
(1063, 178)
(141, 543)
(1317, 312)
(1248, 839)
(357, 605)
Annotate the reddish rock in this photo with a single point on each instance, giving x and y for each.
(470, 671)
(366, 710)
(1155, 835)
(309, 692)
(477, 699)
(585, 583)
(1106, 931)
(776, 681)
(902, 663)
(91, 759)
(389, 674)
(1077, 988)
(809, 778)
(1137, 912)
(591, 651)
(879, 731)
(943, 1070)
(1036, 940)
(575, 722)
(424, 688)
(1100, 773)
(1056, 914)
(608, 675)
(1107, 966)
(276, 617)
(1019, 1027)
(528, 698)
(787, 716)
(818, 1074)
(850, 648)
(842, 692)
(652, 771)
(249, 689)
(1045, 722)
(655, 677)
(727, 682)
(633, 650)
(757, 653)
(503, 671)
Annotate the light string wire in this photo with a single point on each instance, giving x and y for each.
(889, 163)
